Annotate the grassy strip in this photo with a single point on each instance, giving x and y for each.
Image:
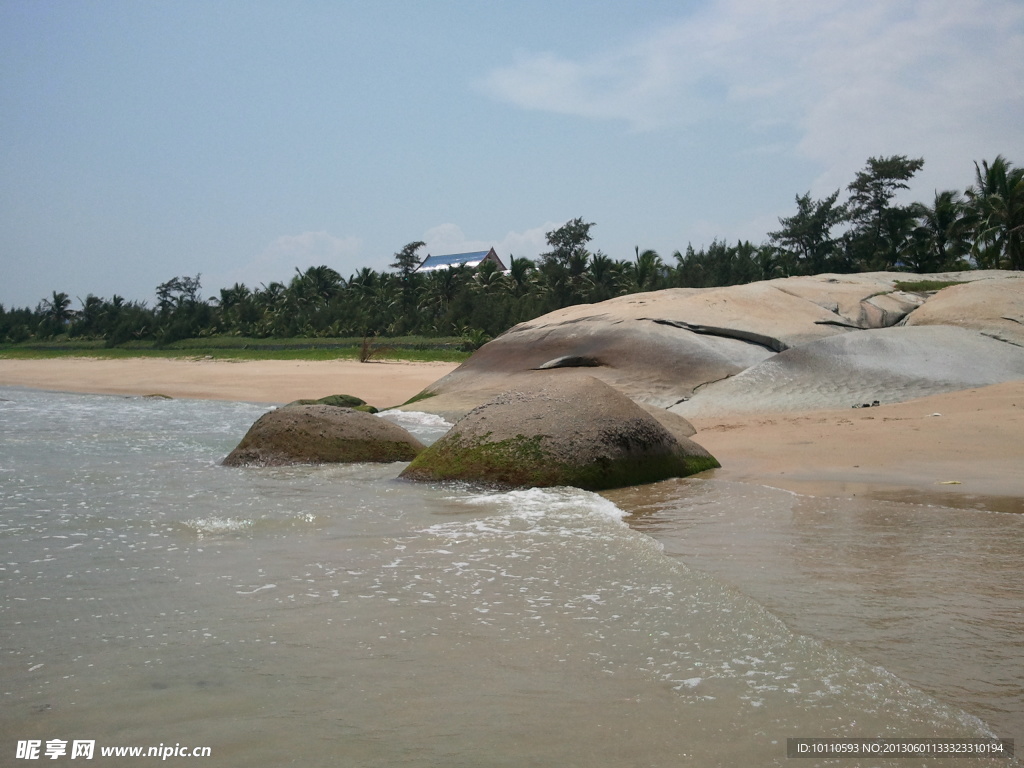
(924, 286)
(411, 349)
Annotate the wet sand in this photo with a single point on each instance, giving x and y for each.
(962, 449)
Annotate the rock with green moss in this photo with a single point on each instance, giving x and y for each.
(567, 429)
(339, 401)
(318, 434)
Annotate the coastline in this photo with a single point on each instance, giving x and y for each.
(967, 456)
(959, 449)
(382, 383)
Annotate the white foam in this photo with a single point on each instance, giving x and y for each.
(428, 427)
(257, 589)
(545, 511)
(215, 525)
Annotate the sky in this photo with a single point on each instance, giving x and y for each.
(141, 141)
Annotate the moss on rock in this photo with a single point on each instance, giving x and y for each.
(573, 430)
(316, 434)
(338, 401)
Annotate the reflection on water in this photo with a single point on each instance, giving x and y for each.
(932, 593)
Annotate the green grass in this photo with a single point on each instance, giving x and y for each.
(408, 348)
(924, 286)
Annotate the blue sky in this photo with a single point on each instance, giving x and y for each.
(140, 141)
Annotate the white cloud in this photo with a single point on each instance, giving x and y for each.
(933, 78)
(279, 260)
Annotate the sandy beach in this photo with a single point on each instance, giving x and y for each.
(380, 383)
(962, 448)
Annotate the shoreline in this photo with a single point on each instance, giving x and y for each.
(961, 449)
(381, 383)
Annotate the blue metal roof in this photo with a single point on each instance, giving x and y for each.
(453, 260)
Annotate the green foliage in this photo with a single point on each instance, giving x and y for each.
(924, 286)
(473, 339)
(808, 235)
(983, 228)
(447, 349)
(998, 200)
(406, 259)
(880, 228)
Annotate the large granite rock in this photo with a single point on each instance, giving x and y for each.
(885, 365)
(993, 307)
(565, 428)
(316, 434)
(661, 347)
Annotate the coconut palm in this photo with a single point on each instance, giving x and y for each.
(58, 308)
(942, 235)
(648, 270)
(487, 278)
(522, 276)
(998, 201)
(321, 283)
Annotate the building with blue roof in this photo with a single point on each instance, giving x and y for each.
(454, 260)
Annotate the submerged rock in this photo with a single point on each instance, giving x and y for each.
(566, 429)
(316, 434)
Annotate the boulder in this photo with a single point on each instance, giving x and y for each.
(648, 361)
(316, 434)
(565, 428)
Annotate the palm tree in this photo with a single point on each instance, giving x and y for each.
(321, 282)
(522, 276)
(648, 270)
(602, 277)
(941, 237)
(58, 308)
(362, 280)
(998, 200)
(439, 289)
(487, 278)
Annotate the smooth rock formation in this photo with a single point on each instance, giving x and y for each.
(665, 348)
(317, 434)
(885, 365)
(566, 429)
(992, 307)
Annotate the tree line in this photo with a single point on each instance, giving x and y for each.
(980, 228)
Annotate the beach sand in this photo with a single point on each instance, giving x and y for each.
(958, 449)
(961, 449)
(380, 383)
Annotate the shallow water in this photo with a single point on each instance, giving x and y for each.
(339, 616)
(931, 592)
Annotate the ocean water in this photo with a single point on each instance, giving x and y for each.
(335, 615)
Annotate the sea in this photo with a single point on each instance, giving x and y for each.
(339, 616)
